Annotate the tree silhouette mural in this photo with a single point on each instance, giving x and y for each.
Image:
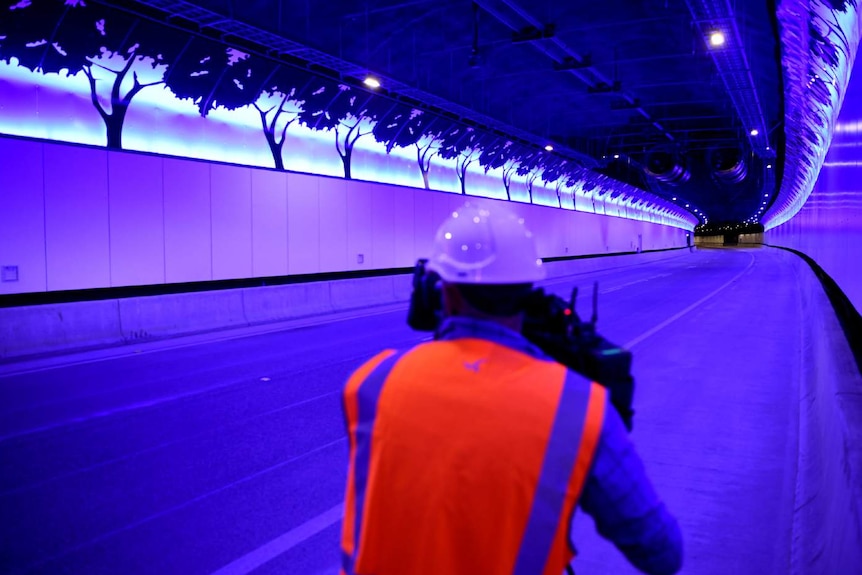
(279, 106)
(555, 173)
(71, 36)
(349, 111)
(405, 126)
(569, 180)
(213, 75)
(119, 54)
(505, 154)
(426, 148)
(531, 167)
(460, 143)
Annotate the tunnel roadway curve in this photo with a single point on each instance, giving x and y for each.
(228, 455)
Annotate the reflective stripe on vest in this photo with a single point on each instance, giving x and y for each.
(567, 459)
(368, 395)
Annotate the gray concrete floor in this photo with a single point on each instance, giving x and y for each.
(214, 452)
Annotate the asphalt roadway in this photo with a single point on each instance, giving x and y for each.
(226, 453)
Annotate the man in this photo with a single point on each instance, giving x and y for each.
(469, 454)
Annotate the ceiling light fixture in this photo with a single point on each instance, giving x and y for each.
(371, 82)
(716, 39)
(549, 148)
(754, 132)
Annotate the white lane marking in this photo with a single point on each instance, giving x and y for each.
(148, 403)
(180, 342)
(153, 448)
(105, 536)
(670, 320)
(281, 544)
(625, 285)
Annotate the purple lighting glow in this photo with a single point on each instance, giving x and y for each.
(160, 123)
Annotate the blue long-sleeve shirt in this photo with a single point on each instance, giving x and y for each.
(618, 495)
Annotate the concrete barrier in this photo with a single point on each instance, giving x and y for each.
(38, 329)
(144, 318)
(65, 327)
(827, 523)
(277, 303)
(360, 293)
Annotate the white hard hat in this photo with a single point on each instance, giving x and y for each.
(485, 246)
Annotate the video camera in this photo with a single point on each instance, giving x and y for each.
(551, 324)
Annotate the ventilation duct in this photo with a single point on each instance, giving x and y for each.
(728, 165)
(667, 167)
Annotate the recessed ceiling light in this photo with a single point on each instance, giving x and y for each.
(616, 156)
(549, 148)
(716, 39)
(754, 132)
(371, 82)
(768, 166)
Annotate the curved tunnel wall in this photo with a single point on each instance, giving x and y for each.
(828, 228)
(78, 217)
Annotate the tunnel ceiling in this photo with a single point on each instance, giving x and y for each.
(632, 89)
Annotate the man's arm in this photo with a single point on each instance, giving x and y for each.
(619, 496)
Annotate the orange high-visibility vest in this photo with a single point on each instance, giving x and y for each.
(466, 457)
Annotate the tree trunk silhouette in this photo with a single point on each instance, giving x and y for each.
(345, 161)
(507, 179)
(462, 177)
(350, 138)
(114, 125)
(275, 149)
(276, 145)
(119, 103)
(423, 159)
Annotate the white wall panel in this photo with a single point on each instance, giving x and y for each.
(383, 226)
(76, 217)
(188, 227)
(333, 224)
(303, 224)
(22, 215)
(403, 209)
(359, 222)
(442, 206)
(231, 221)
(424, 223)
(269, 223)
(136, 200)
